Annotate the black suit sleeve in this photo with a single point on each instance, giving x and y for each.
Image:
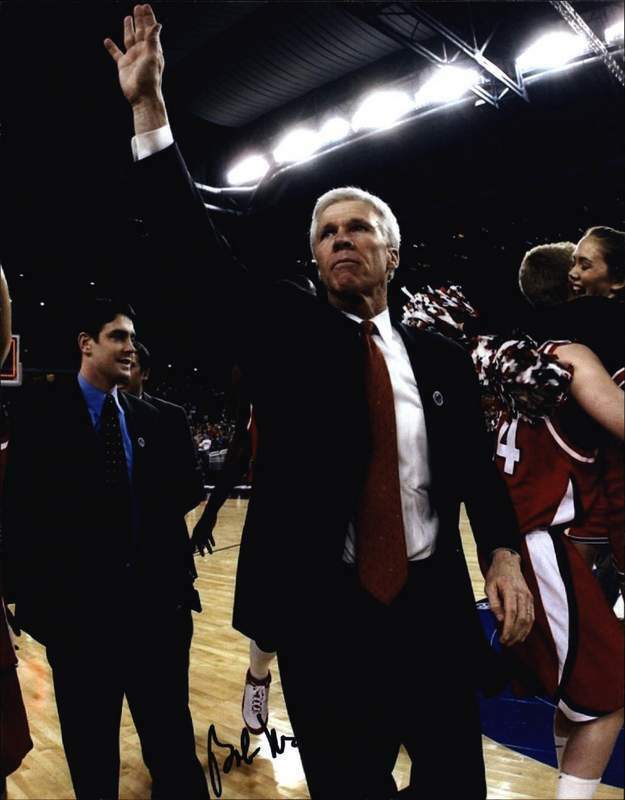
(182, 464)
(191, 484)
(171, 204)
(193, 259)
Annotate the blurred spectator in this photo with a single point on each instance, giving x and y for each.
(15, 739)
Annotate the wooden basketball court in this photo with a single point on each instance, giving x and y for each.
(219, 658)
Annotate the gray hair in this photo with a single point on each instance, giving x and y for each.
(388, 221)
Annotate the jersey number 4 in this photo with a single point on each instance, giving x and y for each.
(506, 446)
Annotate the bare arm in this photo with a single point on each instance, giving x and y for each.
(5, 316)
(140, 68)
(594, 389)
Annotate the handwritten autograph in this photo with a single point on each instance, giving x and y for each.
(237, 757)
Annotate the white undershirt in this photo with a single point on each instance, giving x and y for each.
(420, 519)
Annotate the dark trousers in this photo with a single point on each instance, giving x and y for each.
(370, 678)
(144, 656)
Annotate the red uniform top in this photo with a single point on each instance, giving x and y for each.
(551, 480)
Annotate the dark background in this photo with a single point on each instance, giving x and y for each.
(473, 186)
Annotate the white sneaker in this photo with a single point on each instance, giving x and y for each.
(255, 702)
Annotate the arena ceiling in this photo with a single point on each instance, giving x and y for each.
(240, 73)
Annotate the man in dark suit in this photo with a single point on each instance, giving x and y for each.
(181, 449)
(351, 559)
(98, 554)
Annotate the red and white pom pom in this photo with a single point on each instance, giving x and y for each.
(446, 309)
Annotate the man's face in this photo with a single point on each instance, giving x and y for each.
(589, 273)
(110, 356)
(351, 250)
(136, 379)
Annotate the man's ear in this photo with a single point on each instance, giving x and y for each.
(85, 343)
(392, 262)
(146, 374)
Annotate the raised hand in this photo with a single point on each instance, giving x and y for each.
(140, 68)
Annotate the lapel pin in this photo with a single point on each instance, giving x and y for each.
(141, 441)
(438, 398)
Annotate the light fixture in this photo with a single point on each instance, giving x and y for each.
(614, 33)
(448, 83)
(297, 145)
(381, 109)
(248, 170)
(333, 130)
(550, 51)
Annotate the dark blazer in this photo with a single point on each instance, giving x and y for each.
(303, 364)
(187, 482)
(70, 562)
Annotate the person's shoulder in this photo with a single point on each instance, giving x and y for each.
(170, 415)
(288, 298)
(432, 341)
(137, 406)
(584, 314)
(164, 406)
(46, 395)
(45, 407)
(596, 322)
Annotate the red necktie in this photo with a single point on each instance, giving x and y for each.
(381, 542)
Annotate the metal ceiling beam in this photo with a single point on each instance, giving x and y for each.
(477, 54)
(573, 19)
(375, 17)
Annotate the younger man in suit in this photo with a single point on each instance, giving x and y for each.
(181, 450)
(98, 554)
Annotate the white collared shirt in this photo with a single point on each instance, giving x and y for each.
(420, 519)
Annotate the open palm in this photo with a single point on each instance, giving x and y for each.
(140, 68)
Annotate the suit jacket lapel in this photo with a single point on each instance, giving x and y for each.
(434, 409)
(424, 375)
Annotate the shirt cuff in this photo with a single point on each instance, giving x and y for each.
(507, 549)
(150, 142)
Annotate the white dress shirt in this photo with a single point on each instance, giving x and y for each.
(420, 519)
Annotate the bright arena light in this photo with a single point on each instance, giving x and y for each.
(248, 170)
(614, 33)
(297, 145)
(333, 130)
(381, 109)
(550, 51)
(447, 84)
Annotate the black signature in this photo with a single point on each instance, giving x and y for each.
(237, 757)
